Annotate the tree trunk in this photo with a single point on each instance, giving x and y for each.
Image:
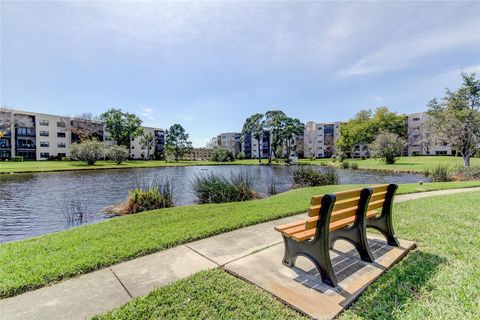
(466, 160)
(269, 151)
(259, 151)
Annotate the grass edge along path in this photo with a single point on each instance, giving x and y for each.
(32, 263)
(438, 280)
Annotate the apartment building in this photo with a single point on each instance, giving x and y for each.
(199, 154)
(319, 139)
(419, 142)
(251, 146)
(40, 136)
(154, 151)
(230, 141)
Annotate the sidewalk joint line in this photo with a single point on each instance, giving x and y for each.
(253, 252)
(204, 256)
(121, 283)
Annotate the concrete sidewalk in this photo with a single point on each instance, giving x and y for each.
(106, 289)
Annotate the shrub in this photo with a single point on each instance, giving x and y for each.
(222, 155)
(439, 173)
(363, 157)
(467, 173)
(241, 156)
(354, 165)
(345, 165)
(155, 195)
(17, 159)
(118, 154)
(387, 146)
(215, 188)
(88, 151)
(311, 177)
(66, 159)
(341, 156)
(310, 158)
(272, 186)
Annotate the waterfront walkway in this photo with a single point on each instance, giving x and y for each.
(253, 253)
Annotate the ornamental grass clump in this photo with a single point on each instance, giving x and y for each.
(467, 173)
(308, 176)
(439, 173)
(216, 188)
(150, 196)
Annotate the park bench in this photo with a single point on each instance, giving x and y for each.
(342, 215)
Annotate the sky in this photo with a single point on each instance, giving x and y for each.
(210, 65)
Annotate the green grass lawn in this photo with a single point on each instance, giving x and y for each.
(439, 280)
(36, 262)
(48, 166)
(416, 164)
(206, 295)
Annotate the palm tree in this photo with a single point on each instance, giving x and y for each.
(254, 126)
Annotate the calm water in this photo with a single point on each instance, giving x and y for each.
(31, 204)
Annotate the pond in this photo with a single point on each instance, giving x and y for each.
(33, 204)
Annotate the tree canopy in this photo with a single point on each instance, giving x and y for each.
(122, 126)
(455, 119)
(176, 141)
(366, 125)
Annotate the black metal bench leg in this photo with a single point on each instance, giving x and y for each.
(384, 223)
(357, 238)
(316, 251)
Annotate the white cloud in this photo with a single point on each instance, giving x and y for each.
(398, 54)
(148, 113)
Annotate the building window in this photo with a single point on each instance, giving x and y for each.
(61, 135)
(440, 152)
(44, 144)
(44, 133)
(43, 122)
(416, 119)
(44, 155)
(61, 145)
(61, 124)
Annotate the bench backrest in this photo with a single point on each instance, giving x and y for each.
(346, 205)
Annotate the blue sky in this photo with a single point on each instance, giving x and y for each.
(209, 65)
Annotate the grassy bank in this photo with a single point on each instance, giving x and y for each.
(409, 164)
(439, 280)
(32, 263)
(50, 166)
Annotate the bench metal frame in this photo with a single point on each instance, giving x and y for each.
(384, 222)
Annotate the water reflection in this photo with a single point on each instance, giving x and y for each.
(33, 204)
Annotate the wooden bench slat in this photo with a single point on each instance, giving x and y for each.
(291, 231)
(380, 188)
(314, 211)
(289, 225)
(347, 203)
(378, 196)
(342, 195)
(316, 200)
(376, 204)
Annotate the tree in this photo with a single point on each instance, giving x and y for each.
(363, 128)
(85, 126)
(291, 128)
(118, 153)
(147, 141)
(9, 118)
(388, 146)
(122, 126)
(456, 118)
(222, 155)
(176, 141)
(254, 126)
(88, 151)
(274, 122)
